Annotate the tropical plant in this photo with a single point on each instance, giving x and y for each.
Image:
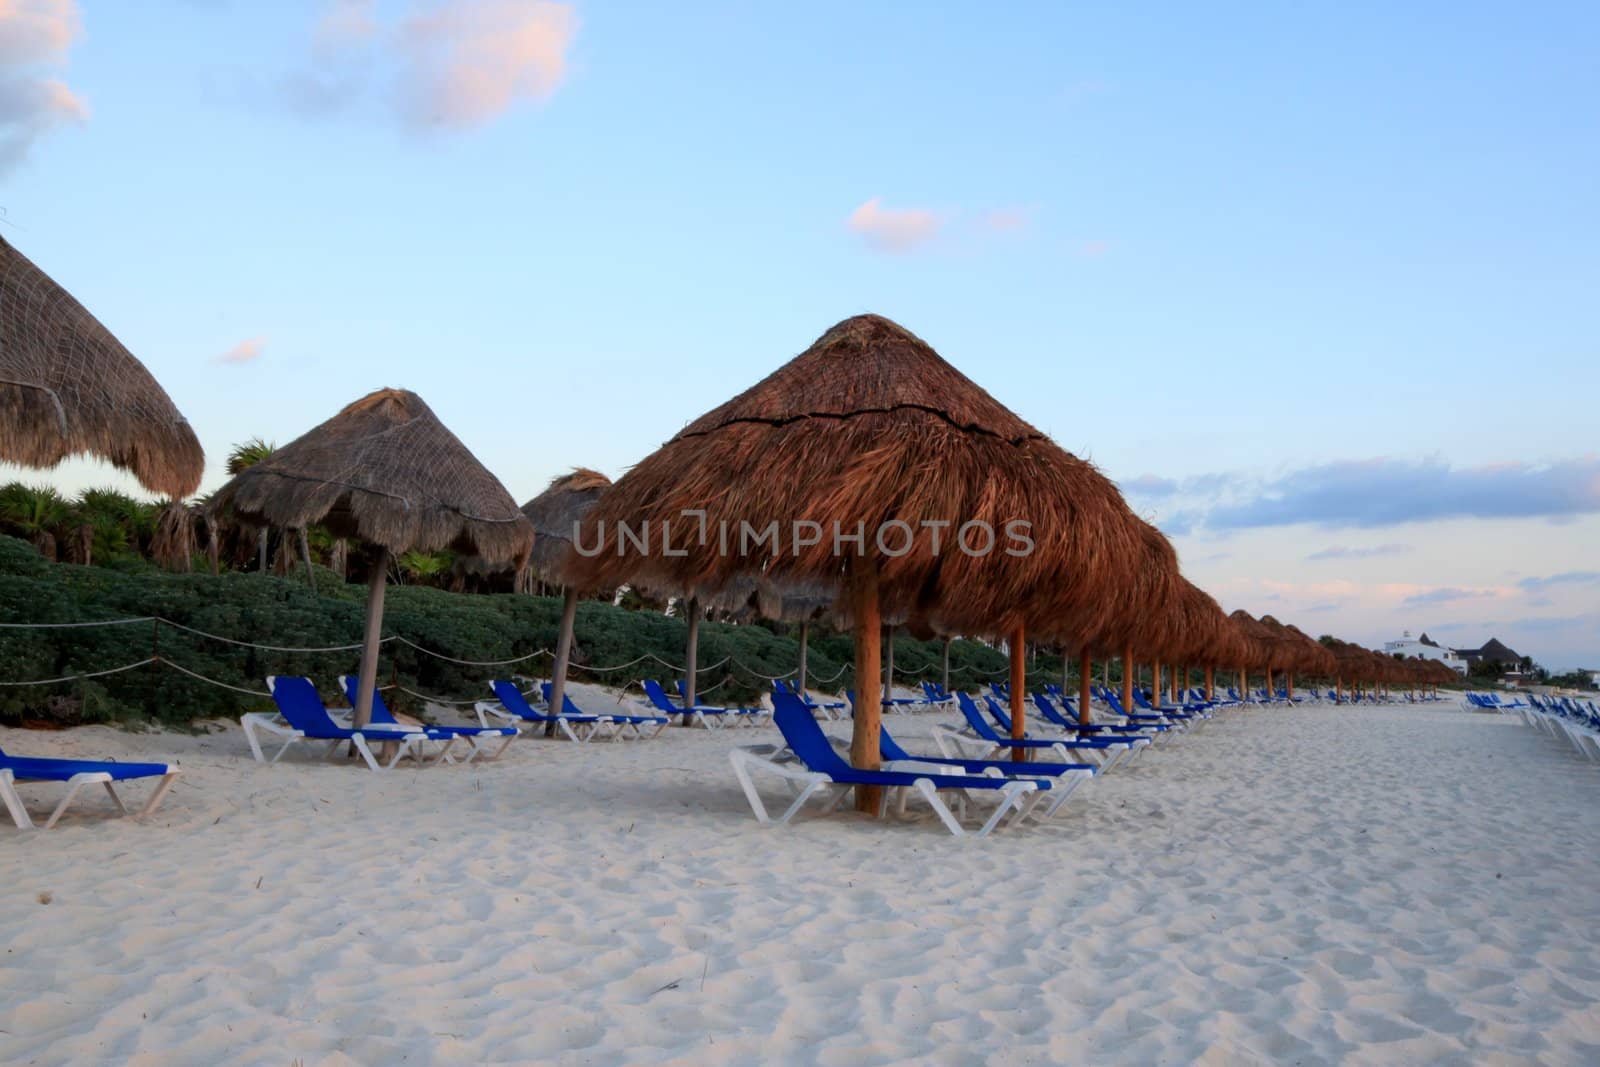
(34, 513)
(241, 458)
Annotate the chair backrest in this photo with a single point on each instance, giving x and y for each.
(567, 706)
(804, 737)
(658, 697)
(381, 715)
(299, 704)
(975, 718)
(1048, 710)
(889, 749)
(512, 700)
(998, 713)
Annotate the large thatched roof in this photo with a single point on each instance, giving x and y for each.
(867, 426)
(554, 513)
(385, 471)
(68, 387)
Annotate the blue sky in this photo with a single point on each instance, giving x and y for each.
(1317, 286)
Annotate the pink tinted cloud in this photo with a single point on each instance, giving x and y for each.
(465, 63)
(34, 34)
(1006, 219)
(244, 352)
(895, 230)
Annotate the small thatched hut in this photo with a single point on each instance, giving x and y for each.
(387, 472)
(870, 433)
(68, 387)
(554, 515)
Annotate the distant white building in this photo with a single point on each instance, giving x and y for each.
(1423, 648)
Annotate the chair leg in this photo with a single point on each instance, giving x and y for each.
(112, 789)
(75, 783)
(13, 802)
(931, 795)
(166, 783)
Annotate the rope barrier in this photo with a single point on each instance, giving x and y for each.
(269, 648)
(212, 681)
(469, 662)
(81, 677)
(72, 625)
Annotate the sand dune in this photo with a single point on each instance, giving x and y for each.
(1386, 885)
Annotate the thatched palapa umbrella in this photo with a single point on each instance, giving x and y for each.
(841, 462)
(68, 387)
(386, 471)
(554, 515)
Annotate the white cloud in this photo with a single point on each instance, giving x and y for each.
(894, 229)
(35, 34)
(244, 352)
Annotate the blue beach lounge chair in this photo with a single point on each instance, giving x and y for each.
(514, 707)
(76, 774)
(475, 736)
(626, 722)
(820, 768)
(303, 717)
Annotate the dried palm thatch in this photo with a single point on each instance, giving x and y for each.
(555, 514)
(68, 387)
(866, 426)
(385, 471)
(175, 542)
(870, 427)
(1311, 657)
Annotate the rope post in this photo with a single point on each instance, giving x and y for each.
(691, 655)
(1085, 677)
(800, 675)
(1019, 692)
(888, 662)
(369, 649)
(1127, 679)
(558, 670)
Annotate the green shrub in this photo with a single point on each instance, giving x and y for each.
(266, 610)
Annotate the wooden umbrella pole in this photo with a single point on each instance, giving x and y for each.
(1211, 678)
(1127, 680)
(1176, 688)
(558, 670)
(691, 655)
(1066, 671)
(944, 675)
(1338, 688)
(1290, 678)
(1271, 693)
(1085, 676)
(369, 647)
(865, 752)
(1019, 692)
(800, 674)
(1155, 684)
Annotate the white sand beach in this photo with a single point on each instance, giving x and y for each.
(1322, 885)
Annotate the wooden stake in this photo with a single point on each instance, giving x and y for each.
(558, 670)
(1127, 680)
(865, 751)
(888, 663)
(368, 678)
(1085, 676)
(800, 675)
(1019, 692)
(691, 655)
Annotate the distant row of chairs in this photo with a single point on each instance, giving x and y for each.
(1565, 718)
(977, 758)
